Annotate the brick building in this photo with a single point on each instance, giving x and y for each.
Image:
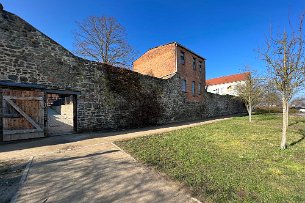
(166, 60)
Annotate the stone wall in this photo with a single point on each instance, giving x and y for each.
(179, 108)
(1, 112)
(110, 97)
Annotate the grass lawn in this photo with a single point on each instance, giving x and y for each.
(231, 160)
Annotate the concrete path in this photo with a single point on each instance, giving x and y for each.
(38, 147)
(101, 173)
(90, 168)
(301, 114)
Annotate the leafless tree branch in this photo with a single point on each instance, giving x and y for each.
(284, 56)
(103, 39)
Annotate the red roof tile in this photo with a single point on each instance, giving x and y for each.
(228, 79)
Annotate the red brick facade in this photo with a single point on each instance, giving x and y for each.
(166, 60)
(158, 62)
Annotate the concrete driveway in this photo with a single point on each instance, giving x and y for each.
(90, 168)
(100, 173)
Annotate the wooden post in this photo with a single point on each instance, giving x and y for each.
(75, 112)
(45, 116)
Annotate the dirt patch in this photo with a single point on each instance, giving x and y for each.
(10, 175)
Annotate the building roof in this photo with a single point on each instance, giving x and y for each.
(177, 44)
(188, 50)
(228, 79)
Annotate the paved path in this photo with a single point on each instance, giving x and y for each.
(89, 168)
(38, 147)
(97, 174)
(301, 114)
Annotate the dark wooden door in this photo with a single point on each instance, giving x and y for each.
(23, 114)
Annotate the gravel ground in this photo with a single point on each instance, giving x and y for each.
(10, 175)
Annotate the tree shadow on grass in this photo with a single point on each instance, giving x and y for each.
(296, 122)
(266, 117)
(302, 132)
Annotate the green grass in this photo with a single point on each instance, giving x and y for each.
(231, 160)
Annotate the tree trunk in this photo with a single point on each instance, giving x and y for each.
(284, 128)
(249, 109)
(250, 115)
(287, 116)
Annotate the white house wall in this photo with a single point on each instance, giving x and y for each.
(226, 88)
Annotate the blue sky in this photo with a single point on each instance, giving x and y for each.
(225, 32)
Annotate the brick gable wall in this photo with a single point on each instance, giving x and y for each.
(157, 62)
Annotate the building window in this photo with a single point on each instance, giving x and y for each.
(183, 85)
(199, 88)
(194, 63)
(222, 90)
(182, 60)
(200, 66)
(193, 88)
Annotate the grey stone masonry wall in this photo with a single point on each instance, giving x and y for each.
(110, 97)
(1, 116)
(178, 108)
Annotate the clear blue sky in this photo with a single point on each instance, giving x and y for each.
(226, 32)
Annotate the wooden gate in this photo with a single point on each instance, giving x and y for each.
(23, 114)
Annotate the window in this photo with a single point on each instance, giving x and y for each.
(183, 85)
(199, 88)
(222, 90)
(193, 88)
(200, 66)
(194, 63)
(182, 61)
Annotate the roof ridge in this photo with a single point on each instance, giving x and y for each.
(229, 75)
(227, 79)
(177, 44)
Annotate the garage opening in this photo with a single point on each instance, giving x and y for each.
(61, 109)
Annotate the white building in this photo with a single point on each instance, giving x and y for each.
(226, 84)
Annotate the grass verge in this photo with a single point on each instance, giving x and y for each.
(231, 160)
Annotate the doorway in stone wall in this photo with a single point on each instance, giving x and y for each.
(61, 110)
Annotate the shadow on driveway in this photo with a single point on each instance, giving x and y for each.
(107, 176)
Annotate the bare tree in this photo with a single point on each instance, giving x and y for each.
(298, 102)
(270, 96)
(285, 59)
(103, 39)
(249, 92)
